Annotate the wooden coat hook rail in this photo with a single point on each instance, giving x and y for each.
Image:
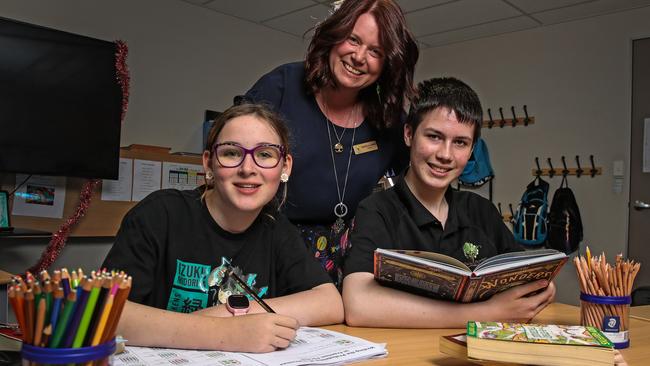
(514, 121)
(564, 171)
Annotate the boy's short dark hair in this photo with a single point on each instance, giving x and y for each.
(450, 93)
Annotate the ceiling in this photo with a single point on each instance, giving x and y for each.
(434, 22)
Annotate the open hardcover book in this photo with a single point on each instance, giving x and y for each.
(538, 344)
(443, 277)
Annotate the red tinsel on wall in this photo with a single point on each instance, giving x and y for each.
(59, 238)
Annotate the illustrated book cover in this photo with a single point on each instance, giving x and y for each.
(538, 344)
(439, 276)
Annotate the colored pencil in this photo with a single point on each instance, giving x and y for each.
(56, 306)
(106, 309)
(47, 294)
(63, 322)
(87, 313)
(53, 313)
(29, 317)
(82, 299)
(16, 300)
(116, 310)
(105, 282)
(74, 280)
(65, 282)
(40, 321)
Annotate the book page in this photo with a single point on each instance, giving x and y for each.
(429, 259)
(516, 259)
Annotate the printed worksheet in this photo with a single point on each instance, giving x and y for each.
(312, 346)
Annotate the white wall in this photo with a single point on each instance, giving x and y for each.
(575, 79)
(183, 59)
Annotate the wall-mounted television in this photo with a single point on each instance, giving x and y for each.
(60, 103)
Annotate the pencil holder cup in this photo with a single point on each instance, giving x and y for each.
(100, 354)
(610, 314)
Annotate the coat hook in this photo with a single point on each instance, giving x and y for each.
(491, 123)
(503, 121)
(565, 171)
(538, 172)
(593, 170)
(514, 116)
(579, 171)
(526, 119)
(551, 172)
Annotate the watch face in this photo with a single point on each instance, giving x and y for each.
(238, 301)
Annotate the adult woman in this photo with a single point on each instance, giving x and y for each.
(344, 106)
(181, 246)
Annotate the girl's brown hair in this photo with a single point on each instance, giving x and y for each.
(384, 100)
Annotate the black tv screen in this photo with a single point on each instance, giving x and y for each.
(60, 103)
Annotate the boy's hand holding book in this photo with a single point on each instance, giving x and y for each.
(518, 305)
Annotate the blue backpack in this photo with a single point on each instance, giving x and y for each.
(478, 170)
(530, 220)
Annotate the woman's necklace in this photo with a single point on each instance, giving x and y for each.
(338, 146)
(340, 209)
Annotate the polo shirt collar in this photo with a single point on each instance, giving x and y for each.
(420, 215)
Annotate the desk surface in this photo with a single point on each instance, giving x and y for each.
(640, 312)
(420, 346)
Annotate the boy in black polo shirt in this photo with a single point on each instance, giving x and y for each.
(421, 212)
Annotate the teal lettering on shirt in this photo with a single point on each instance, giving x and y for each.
(190, 275)
(182, 301)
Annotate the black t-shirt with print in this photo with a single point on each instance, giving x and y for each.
(395, 219)
(177, 254)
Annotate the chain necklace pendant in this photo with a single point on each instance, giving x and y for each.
(340, 210)
(338, 147)
(338, 225)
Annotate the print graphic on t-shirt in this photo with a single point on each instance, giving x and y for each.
(187, 293)
(196, 287)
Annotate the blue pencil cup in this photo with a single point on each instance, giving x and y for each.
(98, 355)
(610, 314)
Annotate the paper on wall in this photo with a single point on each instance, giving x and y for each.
(40, 196)
(182, 176)
(146, 178)
(119, 189)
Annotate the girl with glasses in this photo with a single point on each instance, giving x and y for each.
(187, 250)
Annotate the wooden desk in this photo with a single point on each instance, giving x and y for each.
(420, 346)
(640, 312)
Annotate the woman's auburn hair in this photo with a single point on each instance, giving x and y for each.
(383, 106)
